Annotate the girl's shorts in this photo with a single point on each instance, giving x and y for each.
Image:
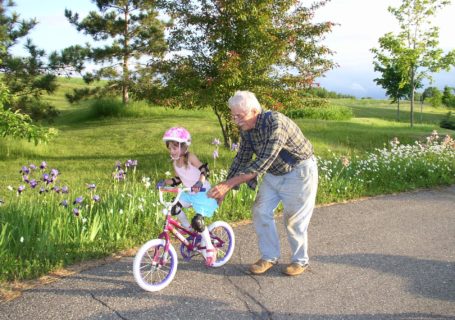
(200, 203)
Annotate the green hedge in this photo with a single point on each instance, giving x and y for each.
(322, 113)
(448, 121)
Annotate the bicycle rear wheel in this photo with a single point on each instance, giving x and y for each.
(223, 239)
(153, 268)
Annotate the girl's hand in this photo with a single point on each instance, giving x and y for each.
(197, 187)
(161, 183)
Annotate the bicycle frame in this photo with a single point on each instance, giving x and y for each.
(178, 231)
(172, 226)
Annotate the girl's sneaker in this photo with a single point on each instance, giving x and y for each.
(210, 257)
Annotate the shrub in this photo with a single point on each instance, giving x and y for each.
(106, 107)
(323, 113)
(448, 121)
(281, 100)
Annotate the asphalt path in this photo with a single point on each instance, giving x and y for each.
(387, 257)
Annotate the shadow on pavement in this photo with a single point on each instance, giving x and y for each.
(430, 278)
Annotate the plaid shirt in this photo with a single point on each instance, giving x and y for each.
(266, 140)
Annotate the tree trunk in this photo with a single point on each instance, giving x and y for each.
(412, 96)
(125, 82)
(421, 111)
(224, 129)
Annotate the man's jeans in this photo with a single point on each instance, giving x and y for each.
(297, 191)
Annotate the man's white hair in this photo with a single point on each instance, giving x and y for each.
(245, 100)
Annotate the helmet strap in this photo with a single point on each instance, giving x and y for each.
(180, 151)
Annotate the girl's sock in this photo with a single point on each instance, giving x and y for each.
(206, 238)
(183, 220)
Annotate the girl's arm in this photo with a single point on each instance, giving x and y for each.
(175, 181)
(198, 164)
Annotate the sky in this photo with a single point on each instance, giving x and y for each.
(361, 24)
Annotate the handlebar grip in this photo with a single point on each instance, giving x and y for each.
(168, 189)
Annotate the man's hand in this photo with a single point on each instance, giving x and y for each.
(219, 191)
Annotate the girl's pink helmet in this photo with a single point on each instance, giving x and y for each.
(178, 134)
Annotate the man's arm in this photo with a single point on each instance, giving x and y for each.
(220, 190)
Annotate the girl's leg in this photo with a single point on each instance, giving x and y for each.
(210, 252)
(183, 219)
(206, 238)
(177, 211)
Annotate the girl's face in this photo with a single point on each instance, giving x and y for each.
(176, 150)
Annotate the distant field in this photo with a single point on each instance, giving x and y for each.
(383, 109)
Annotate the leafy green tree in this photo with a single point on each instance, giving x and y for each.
(26, 77)
(269, 47)
(448, 98)
(391, 80)
(414, 49)
(16, 124)
(433, 96)
(135, 33)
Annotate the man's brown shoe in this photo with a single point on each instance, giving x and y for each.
(261, 266)
(294, 269)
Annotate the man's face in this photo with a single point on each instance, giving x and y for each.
(246, 120)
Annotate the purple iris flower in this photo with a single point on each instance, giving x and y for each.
(33, 183)
(25, 178)
(65, 189)
(118, 165)
(54, 172)
(42, 190)
(119, 175)
(130, 163)
(56, 189)
(20, 189)
(64, 203)
(76, 212)
(91, 186)
(78, 200)
(24, 170)
(32, 166)
(96, 198)
(234, 147)
(46, 177)
(43, 165)
(216, 142)
(215, 154)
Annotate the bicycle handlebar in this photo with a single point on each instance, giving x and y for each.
(173, 190)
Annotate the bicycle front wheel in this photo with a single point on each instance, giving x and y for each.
(223, 240)
(153, 267)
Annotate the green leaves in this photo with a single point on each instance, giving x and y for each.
(18, 125)
(407, 58)
(223, 46)
(133, 32)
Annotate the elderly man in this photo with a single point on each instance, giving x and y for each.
(285, 157)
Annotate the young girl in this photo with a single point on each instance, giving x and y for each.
(193, 174)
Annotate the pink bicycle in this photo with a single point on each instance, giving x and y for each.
(155, 264)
